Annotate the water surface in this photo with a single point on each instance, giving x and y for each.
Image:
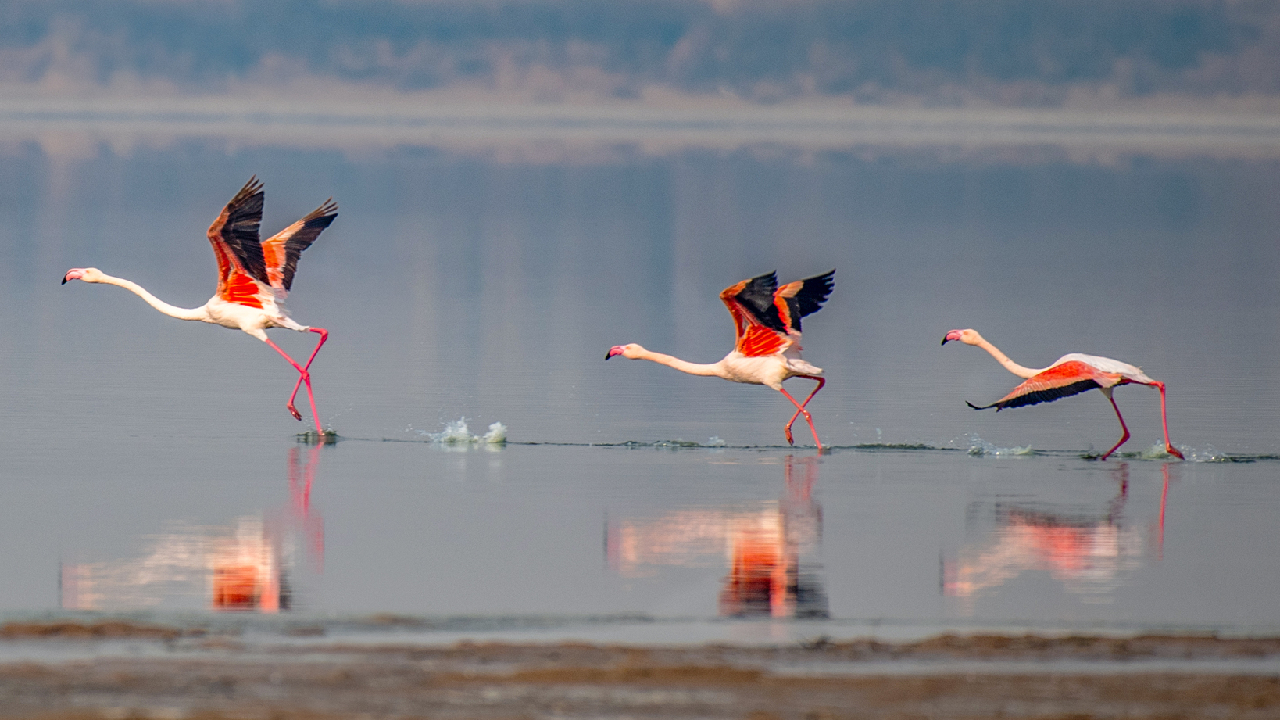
(149, 464)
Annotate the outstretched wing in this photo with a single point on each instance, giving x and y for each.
(234, 236)
(759, 329)
(1062, 380)
(802, 297)
(280, 253)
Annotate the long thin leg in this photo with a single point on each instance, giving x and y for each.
(304, 376)
(324, 335)
(1123, 438)
(821, 382)
(800, 410)
(1164, 418)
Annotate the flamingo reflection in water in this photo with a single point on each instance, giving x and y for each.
(247, 565)
(764, 547)
(1088, 553)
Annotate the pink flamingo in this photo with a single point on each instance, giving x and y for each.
(767, 352)
(253, 278)
(1069, 375)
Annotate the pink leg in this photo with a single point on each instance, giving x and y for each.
(800, 410)
(303, 377)
(324, 335)
(1123, 438)
(1168, 446)
(821, 382)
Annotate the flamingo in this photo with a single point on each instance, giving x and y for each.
(253, 278)
(1068, 375)
(767, 320)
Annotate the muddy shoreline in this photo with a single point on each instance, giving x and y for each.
(191, 673)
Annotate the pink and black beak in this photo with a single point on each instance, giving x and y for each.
(615, 350)
(953, 335)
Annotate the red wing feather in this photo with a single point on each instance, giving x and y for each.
(760, 340)
(1069, 378)
(241, 290)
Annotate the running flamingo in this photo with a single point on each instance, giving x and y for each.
(767, 320)
(253, 278)
(1069, 375)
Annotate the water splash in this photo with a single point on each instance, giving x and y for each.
(456, 432)
(982, 448)
(497, 434)
(715, 441)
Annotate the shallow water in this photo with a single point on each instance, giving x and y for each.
(148, 464)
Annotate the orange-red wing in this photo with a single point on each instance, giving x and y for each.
(759, 330)
(241, 290)
(741, 318)
(1069, 378)
(282, 250)
(234, 236)
(760, 340)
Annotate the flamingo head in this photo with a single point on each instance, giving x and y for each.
(93, 275)
(968, 336)
(630, 351)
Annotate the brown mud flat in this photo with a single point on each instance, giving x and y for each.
(222, 678)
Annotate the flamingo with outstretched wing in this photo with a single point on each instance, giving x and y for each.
(253, 278)
(766, 318)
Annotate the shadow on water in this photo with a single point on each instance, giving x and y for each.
(1089, 551)
(770, 548)
(250, 564)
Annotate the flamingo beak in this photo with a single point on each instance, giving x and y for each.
(615, 350)
(953, 335)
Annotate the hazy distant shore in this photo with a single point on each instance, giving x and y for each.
(658, 121)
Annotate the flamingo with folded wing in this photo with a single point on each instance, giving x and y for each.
(1069, 375)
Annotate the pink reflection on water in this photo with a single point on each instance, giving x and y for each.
(762, 545)
(1088, 554)
(245, 565)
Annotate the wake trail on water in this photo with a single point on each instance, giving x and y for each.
(457, 435)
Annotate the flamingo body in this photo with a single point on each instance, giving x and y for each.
(1069, 375)
(767, 321)
(254, 278)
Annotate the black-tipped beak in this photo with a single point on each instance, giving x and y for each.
(944, 341)
(64, 279)
(608, 355)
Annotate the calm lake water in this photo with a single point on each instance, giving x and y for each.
(149, 464)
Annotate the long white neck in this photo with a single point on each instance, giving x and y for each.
(1011, 366)
(705, 369)
(171, 310)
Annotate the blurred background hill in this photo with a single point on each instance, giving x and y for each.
(917, 53)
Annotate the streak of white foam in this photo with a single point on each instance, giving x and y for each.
(978, 446)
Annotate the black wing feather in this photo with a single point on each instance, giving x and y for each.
(312, 225)
(240, 231)
(757, 298)
(1041, 396)
(813, 293)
